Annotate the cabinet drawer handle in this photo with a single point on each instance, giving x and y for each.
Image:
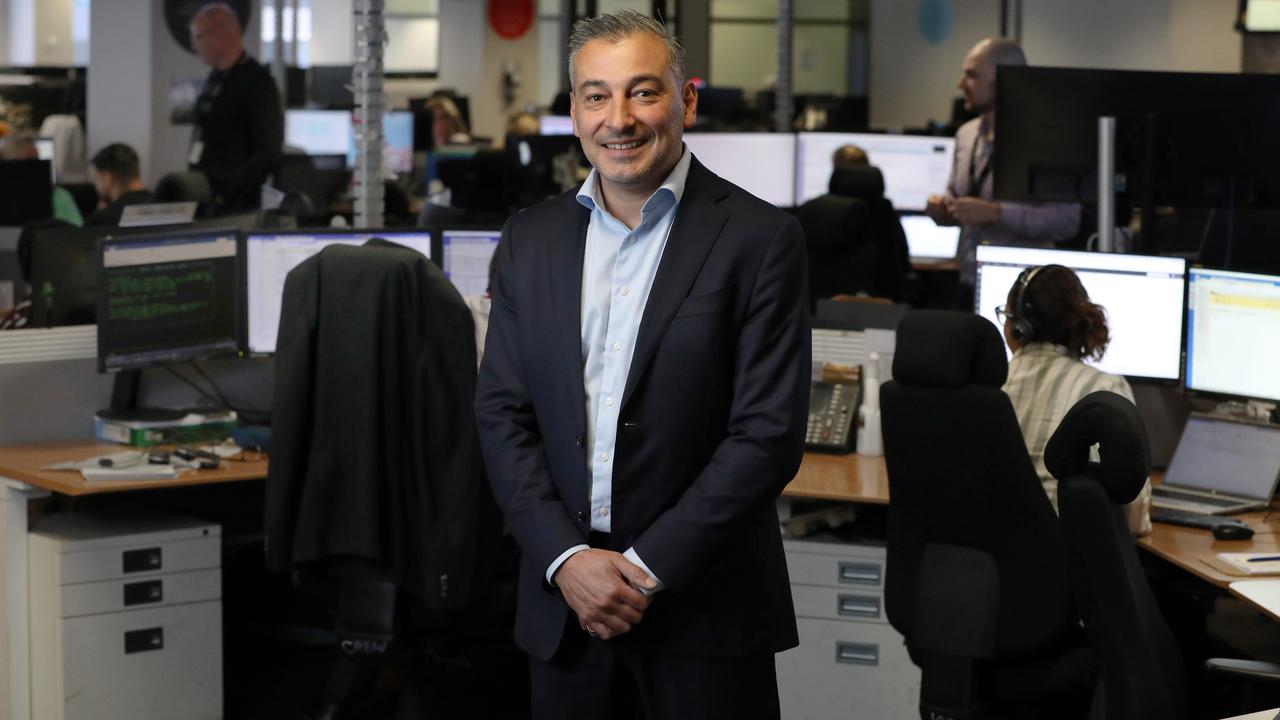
(857, 654)
(136, 641)
(853, 573)
(144, 560)
(863, 606)
(143, 593)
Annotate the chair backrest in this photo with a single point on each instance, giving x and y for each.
(883, 229)
(961, 482)
(1141, 670)
(192, 186)
(840, 260)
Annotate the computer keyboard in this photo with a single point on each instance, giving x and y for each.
(1190, 519)
(1203, 499)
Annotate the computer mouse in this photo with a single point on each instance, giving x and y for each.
(1232, 531)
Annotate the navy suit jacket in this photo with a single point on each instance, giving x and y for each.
(711, 427)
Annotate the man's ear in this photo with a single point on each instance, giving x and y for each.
(690, 96)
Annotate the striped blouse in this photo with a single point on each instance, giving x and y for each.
(1044, 382)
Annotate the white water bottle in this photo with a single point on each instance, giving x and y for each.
(869, 441)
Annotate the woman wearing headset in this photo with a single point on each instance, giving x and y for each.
(1052, 327)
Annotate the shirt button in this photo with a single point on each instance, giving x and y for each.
(579, 441)
(609, 402)
(624, 292)
(617, 347)
(603, 512)
(604, 457)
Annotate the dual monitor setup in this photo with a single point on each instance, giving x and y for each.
(1230, 320)
(333, 132)
(789, 169)
(192, 294)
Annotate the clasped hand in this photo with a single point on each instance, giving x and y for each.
(602, 589)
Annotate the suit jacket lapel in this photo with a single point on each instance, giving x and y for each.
(699, 220)
(565, 277)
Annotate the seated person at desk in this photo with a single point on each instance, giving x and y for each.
(1051, 326)
(115, 175)
(969, 199)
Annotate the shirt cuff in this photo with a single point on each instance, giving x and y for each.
(634, 559)
(555, 564)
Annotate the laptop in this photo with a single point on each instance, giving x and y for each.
(927, 240)
(1221, 466)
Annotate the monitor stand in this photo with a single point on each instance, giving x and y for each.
(124, 402)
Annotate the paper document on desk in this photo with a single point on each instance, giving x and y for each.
(1253, 563)
(136, 473)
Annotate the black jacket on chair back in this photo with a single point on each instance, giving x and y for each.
(375, 457)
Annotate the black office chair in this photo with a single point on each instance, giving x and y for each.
(191, 186)
(1140, 667)
(882, 228)
(976, 577)
(376, 500)
(840, 261)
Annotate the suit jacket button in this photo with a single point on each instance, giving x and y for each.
(582, 517)
(579, 441)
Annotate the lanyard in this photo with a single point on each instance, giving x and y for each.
(978, 179)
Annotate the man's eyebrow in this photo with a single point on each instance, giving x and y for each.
(636, 80)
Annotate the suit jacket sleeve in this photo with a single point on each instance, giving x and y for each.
(509, 431)
(765, 441)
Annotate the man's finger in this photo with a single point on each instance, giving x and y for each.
(634, 574)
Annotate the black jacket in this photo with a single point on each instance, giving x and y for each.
(711, 426)
(110, 215)
(374, 451)
(241, 126)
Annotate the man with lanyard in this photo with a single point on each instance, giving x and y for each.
(239, 125)
(968, 201)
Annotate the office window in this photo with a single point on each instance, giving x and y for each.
(268, 33)
(80, 32)
(829, 45)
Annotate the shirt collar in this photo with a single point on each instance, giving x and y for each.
(590, 197)
(1042, 349)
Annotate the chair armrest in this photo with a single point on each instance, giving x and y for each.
(1251, 669)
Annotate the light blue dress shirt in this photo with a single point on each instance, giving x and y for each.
(617, 273)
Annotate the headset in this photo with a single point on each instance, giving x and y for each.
(1020, 327)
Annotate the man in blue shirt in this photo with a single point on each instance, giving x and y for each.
(642, 403)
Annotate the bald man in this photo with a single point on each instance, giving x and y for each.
(239, 125)
(968, 202)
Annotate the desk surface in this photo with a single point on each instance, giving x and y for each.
(1262, 593)
(851, 478)
(1263, 715)
(24, 463)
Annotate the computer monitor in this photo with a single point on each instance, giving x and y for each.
(555, 125)
(914, 166)
(26, 191)
(465, 255)
(318, 132)
(1143, 295)
(763, 164)
(167, 298)
(397, 142)
(331, 86)
(62, 273)
(1233, 333)
(927, 240)
(271, 255)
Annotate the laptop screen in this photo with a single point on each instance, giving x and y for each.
(1226, 456)
(927, 239)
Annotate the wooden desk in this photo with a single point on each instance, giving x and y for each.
(939, 265)
(24, 463)
(850, 478)
(1263, 715)
(21, 480)
(1262, 593)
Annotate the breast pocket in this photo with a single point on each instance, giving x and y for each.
(705, 304)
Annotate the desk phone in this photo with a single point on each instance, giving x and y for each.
(832, 409)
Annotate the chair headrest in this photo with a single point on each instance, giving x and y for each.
(183, 187)
(832, 222)
(1113, 423)
(949, 349)
(858, 181)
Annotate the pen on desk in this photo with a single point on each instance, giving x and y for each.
(1265, 558)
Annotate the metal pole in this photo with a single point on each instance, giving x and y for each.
(1106, 184)
(277, 57)
(784, 101)
(293, 34)
(371, 41)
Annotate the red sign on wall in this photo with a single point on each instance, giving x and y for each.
(511, 18)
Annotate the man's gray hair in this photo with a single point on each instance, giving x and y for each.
(618, 26)
(1004, 51)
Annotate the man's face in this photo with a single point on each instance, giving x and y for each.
(209, 39)
(101, 181)
(628, 111)
(978, 81)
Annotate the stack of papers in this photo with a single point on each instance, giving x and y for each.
(1253, 563)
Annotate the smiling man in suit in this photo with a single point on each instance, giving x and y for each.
(641, 405)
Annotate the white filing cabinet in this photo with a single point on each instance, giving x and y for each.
(126, 618)
(850, 662)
